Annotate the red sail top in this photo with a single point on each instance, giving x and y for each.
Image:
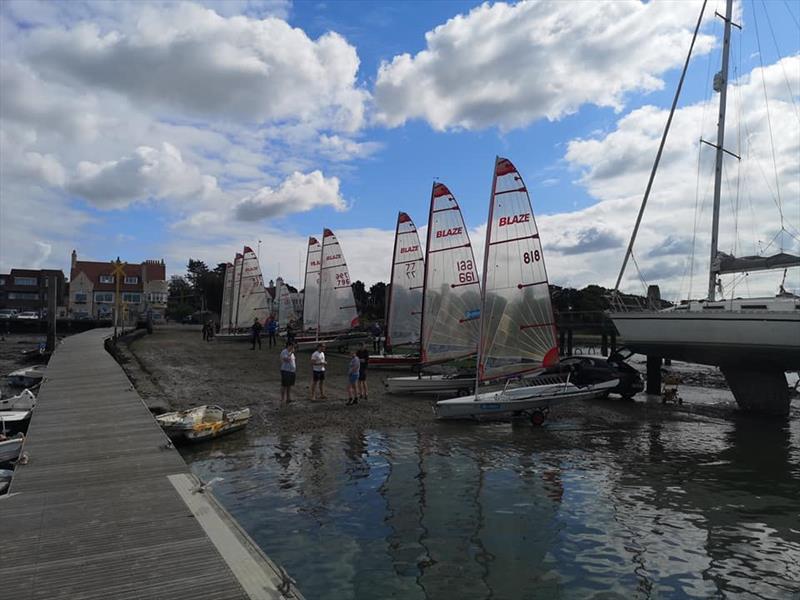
(247, 249)
(327, 233)
(312, 241)
(238, 256)
(228, 265)
(403, 218)
(440, 189)
(504, 167)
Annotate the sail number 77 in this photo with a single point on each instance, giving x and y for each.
(466, 271)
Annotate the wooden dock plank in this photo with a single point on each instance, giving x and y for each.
(93, 514)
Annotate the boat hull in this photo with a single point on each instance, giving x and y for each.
(517, 401)
(429, 384)
(394, 361)
(10, 449)
(723, 338)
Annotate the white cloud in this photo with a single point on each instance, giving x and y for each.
(300, 192)
(189, 59)
(147, 173)
(338, 148)
(614, 168)
(511, 64)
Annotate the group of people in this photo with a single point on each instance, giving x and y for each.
(356, 374)
(272, 333)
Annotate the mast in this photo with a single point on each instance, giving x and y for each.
(483, 277)
(230, 294)
(239, 291)
(388, 341)
(319, 285)
(721, 82)
(422, 352)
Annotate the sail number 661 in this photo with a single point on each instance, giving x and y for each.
(466, 271)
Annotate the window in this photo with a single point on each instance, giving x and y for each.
(132, 298)
(107, 297)
(132, 280)
(23, 296)
(25, 281)
(2, 280)
(106, 279)
(80, 298)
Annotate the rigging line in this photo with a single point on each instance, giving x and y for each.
(780, 61)
(796, 22)
(639, 272)
(629, 251)
(769, 120)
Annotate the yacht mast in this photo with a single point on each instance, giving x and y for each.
(720, 85)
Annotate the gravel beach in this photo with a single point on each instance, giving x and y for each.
(175, 369)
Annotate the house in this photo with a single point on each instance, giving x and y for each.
(26, 290)
(93, 288)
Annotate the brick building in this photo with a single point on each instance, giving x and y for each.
(26, 290)
(92, 289)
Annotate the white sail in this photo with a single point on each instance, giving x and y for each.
(404, 312)
(451, 306)
(236, 286)
(252, 294)
(518, 331)
(285, 308)
(311, 285)
(227, 292)
(337, 306)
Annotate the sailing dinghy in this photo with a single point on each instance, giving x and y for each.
(404, 309)
(517, 327)
(249, 298)
(286, 312)
(336, 313)
(202, 423)
(451, 300)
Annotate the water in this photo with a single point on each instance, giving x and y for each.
(656, 509)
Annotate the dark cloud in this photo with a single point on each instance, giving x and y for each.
(591, 240)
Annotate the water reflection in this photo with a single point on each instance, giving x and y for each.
(658, 508)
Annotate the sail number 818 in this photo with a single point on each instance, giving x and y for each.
(529, 257)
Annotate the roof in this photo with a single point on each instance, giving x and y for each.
(155, 270)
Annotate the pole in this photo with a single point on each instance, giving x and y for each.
(52, 295)
(629, 251)
(489, 223)
(723, 98)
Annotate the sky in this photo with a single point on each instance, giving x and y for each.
(190, 129)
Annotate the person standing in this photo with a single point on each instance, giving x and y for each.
(210, 331)
(288, 373)
(272, 329)
(318, 363)
(353, 369)
(376, 331)
(290, 332)
(205, 331)
(255, 333)
(363, 358)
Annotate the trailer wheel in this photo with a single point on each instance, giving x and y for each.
(538, 418)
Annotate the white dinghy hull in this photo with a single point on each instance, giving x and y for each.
(429, 384)
(25, 400)
(517, 401)
(9, 449)
(203, 423)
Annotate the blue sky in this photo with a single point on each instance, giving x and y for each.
(160, 129)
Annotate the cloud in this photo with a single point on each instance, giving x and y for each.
(299, 192)
(147, 173)
(338, 148)
(614, 167)
(508, 65)
(190, 59)
(591, 239)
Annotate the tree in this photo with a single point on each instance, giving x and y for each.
(377, 300)
(181, 299)
(360, 295)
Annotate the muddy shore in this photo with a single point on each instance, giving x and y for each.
(175, 369)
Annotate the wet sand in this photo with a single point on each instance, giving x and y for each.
(175, 369)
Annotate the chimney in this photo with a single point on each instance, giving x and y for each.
(74, 259)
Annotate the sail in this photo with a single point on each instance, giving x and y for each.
(227, 304)
(451, 307)
(252, 294)
(337, 306)
(518, 331)
(311, 285)
(236, 286)
(404, 311)
(285, 306)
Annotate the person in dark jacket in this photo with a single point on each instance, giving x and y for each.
(255, 333)
(376, 332)
(272, 330)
